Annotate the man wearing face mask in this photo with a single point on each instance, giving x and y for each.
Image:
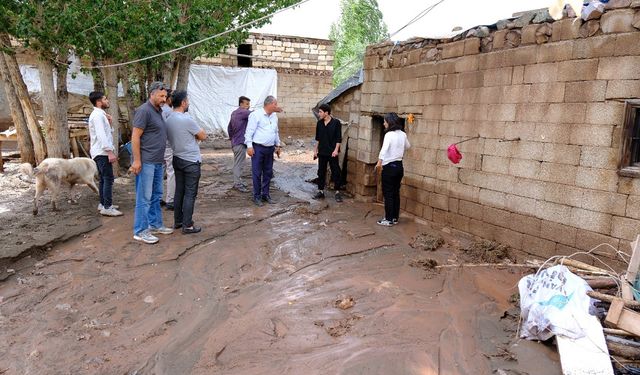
(183, 133)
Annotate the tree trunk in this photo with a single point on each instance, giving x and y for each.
(20, 87)
(142, 83)
(27, 154)
(111, 81)
(62, 96)
(98, 78)
(56, 145)
(174, 73)
(167, 67)
(126, 86)
(184, 62)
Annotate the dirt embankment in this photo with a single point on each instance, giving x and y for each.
(290, 288)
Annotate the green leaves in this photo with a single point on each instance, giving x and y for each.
(360, 24)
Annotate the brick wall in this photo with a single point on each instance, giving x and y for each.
(304, 67)
(556, 190)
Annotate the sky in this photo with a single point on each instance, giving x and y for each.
(313, 18)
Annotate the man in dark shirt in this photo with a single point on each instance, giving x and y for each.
(236, 129)
(148, 141)
(328, 139)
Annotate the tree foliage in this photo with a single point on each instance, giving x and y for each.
(360, 24)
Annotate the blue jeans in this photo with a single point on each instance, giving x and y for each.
(148, 195)
(105, 171)
(262, 170)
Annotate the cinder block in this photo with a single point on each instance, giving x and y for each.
(524, 224)
(629, 185)
(529, 34)
(454, 205)
(470, 79)
(496, 216)
(499, 39)
(623, 89)
(578, 70)
(590, 220)
(524, 168)
(625, 228)
(617, 21)
(501, 112)
(472, 46)
(495, 164)
(599, 179)
(561, 154)
(522, 205)
(481, 229)
(453, 49)
(439, 201)
(518, 75)
(492, 198)
(595, 46)
(528, 188)
(606, 202)
(599, 157)
(553, 52)
(563, 194)
(587, 91)
(462, 191)
(509, 237)
(624, 67)
(498, 77)
(591, 135)
(549, 92)
(447, 173)
(587, 240)
(541, 73)
(627, 44)
(492, 60)
(538, 246)
(466, 64)
(526, 150)
(566, 29)
(552, 133)
(633, 207)
(556, 232)
(523, 55)
(470, 209)
(609, 113)
(559, 173)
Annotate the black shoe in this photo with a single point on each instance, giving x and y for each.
(191, 230)
(338, 197)
(319, 195)
(177, 226)
(258, 202)
(162, 203)
(169, 206)
(268, 200)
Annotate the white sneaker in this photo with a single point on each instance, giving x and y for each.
(101, 207)
(161, 230)
(384, 223)
(146, 237)
(111, 211)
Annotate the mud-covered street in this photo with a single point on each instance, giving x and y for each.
(299, 287)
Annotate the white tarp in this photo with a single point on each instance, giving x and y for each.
(214, 92)
(77, 82)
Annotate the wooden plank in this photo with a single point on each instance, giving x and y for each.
(608, 298)
(586, 355)
(622, 318)
(74, 147)
(632, 270)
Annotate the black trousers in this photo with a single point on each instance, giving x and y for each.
(392, 174)
(334, 164)
(187, 180)
(105, 171)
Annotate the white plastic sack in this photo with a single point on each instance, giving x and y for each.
(554, 302)
(214, 92)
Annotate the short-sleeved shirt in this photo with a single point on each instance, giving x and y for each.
(328, 135)
(154, 137)
(182, 130)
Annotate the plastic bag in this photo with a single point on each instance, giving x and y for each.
(453, 154)
(553, 302)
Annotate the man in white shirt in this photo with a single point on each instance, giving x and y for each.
(100, 135)
(262, 139)
(170, 186)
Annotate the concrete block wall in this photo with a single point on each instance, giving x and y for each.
(554, 191)
(297, 95)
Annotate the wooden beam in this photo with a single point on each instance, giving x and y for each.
(619, 317)
(632, 270)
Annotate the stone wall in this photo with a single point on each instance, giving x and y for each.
(557, 87)
(304, 67)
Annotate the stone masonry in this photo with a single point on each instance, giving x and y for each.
(304, 67)
(546, 100)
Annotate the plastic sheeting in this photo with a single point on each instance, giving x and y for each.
(214, 92)
(77, 82)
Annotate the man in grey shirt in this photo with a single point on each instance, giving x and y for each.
(183, 134)
(148, 142)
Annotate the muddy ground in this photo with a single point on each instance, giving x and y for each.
(298, 287)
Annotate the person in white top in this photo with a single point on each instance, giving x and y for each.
(100, 135)
(390, 161)
(170, 186)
